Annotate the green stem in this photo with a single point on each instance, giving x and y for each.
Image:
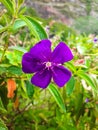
(5, 48)
(96, 54)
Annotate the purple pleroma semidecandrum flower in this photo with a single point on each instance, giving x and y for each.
(47, 64)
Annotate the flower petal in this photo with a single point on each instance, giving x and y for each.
(42, 78)
(62, 53)
(42, 50)
(30, 64)
(61, 75)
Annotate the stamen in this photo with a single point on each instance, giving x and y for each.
(48, 64)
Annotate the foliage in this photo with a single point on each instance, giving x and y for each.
(73, 107)
(87, 24)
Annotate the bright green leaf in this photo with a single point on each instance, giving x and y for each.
(15, 57)
(70, 66)
(55, 93)
(18, 24)
(17, 48)
(3, 29)
(2, 125)
(35, 28)
(8, 4)
(70, 86)
(20, 2)
(87, 78)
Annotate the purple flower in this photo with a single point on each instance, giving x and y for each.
(86, 100)
(47, 64)
(95, 39)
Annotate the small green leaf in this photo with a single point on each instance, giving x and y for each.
(15, 57)
(70, 86)
(8, 4)
(55, 93)
(17, 48)
(3, 95)
(2, 70)
(87, 78)
(2, 109)
(79, 105)
(14, 70)
(3, 29)
(18, 24)
(20, 2)
(29, 88)
(35, 28)
(22, 10)
(70, 66)
(2, 125)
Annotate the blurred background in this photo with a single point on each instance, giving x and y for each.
(81, 15)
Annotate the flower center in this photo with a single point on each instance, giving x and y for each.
(48, 64)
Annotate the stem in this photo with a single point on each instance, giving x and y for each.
(7, 42)
(13, 77)
(5, 48)
(91, 54)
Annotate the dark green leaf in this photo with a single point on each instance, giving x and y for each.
(79, 105)
(3, 95)
(2, 109)
(29, 88)
(55, 93)
(70, 86)
(36, 29)
(14, 70)
(2, 69)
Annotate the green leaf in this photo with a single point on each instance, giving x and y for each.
(15, 70)
(55, 93)
(18, 24)
(2, 70)
(22, 10)
(35, 28)
(70, 86)
(79, 106)
(3, 29)
(15, 57)
(87, 78)
(8, 4)
(2, 109)
(29, 88)
(20, 2)
(70, 66)
(17, 48)
(2, 125)
(3, 95)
